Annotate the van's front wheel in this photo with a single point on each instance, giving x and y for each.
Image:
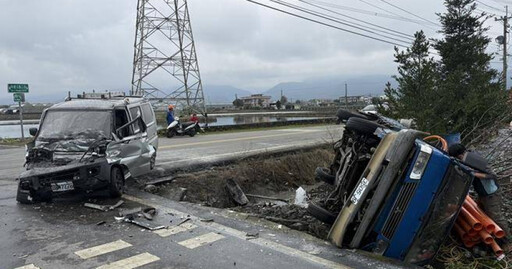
(116, 182)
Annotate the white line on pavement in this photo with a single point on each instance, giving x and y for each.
(201, 240)
(28, 266)
(175, 230)
(102, 249)
(131, 262)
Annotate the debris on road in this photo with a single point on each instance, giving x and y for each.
(236, 192)
(183, 221)
(104, 208)
(207, 220)
(151, 188)
(149, 213)
(266, 197)
(252, 235)
(143, 224)
(160, 181)
(101, 223)
(301, 198)
(130, 212)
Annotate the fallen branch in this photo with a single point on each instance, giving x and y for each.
(266, 197)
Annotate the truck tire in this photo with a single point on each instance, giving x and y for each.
(116, 182)
(362, 126)
(321, 214)
(344, 115)
(322, 174)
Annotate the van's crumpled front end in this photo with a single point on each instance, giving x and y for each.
(43, 182)
(65, 165)
(422, 209)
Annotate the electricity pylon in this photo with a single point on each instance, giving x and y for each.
(165, 66)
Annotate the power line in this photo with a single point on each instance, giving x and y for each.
(359, 20)
(410, 13)
(327, 17)
(331, 18)
(324, 24)
(489, 6)
(367, 12)
(383, 9)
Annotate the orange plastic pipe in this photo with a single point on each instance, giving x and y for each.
(486, 237)
(497, 231)
(469, 244)
(462, 234)
(472, 221)
(466, 227)
(484, 219)
(443, 141)
(496, 248)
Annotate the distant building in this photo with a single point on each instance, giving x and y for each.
(256, 100)
(352, 99)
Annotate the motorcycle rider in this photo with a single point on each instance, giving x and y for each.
(170, 115)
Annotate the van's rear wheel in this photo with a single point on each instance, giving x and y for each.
(116, 182)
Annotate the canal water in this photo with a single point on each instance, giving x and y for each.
(11, 130)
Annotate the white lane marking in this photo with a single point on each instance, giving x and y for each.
(242, 235)
(102, 249)
(175, 230)
(28, 266)
(131, 262)
(201, 240)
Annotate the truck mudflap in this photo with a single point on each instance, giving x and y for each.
(358, 195)
(396, 158)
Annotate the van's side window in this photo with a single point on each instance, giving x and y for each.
(135, 113)
(147, 114)
(121, 118)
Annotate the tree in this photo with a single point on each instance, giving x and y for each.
(470, 91)
(284, 100)
(415, 96)
(278, 104)
(238, 103)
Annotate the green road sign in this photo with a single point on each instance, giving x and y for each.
(12, 88)
(19, 97)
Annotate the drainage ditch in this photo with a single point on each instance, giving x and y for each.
(269, 183)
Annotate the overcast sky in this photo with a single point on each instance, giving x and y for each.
(77, 45)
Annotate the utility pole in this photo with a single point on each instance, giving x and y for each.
(165, 64)
(503, 41)
(346, 96)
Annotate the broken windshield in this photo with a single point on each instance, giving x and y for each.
(76, 124)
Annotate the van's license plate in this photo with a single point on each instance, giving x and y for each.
(62, 186)
(359, 191)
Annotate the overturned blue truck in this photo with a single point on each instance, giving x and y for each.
(394, 194)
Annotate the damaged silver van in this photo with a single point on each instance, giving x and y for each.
(89, 143)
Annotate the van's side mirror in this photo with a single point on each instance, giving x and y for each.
(32, 131)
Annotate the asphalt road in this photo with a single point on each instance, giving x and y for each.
(182, 152)
(65, 234)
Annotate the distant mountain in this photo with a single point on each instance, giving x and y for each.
(222, 94)
(331, 88)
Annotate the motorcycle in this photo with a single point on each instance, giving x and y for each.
(182, 129)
